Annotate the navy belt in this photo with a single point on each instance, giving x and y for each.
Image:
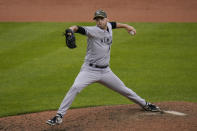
(98, 66)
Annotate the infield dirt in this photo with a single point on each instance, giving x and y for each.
(109, 118)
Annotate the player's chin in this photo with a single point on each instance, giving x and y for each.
(101, 26)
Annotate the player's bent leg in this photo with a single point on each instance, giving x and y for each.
(113, 82)
(66, 103)
(68, 99)
(83, 79)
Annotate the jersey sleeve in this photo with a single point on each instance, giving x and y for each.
(113, 24)
(90, 31)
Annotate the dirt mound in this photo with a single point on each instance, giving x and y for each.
(109, 118)
(82, 10)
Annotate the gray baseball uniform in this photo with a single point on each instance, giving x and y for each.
(96, 68)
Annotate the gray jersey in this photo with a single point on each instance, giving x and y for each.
(98, 52)
(98, 45)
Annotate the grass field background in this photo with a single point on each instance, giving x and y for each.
(36, 69)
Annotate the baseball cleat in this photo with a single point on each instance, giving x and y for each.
(55, 120)
(151, 107)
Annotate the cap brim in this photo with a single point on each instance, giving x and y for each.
(98, 16)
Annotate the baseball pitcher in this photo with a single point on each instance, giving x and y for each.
(96, 65)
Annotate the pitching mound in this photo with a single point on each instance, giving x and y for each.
(109, 118)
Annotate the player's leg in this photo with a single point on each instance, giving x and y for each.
(83, 79)
(113, 82)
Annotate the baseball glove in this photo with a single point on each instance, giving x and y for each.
(70, 39)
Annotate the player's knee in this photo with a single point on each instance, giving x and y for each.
(77, 87)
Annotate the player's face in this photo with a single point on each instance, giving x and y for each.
(101, 22)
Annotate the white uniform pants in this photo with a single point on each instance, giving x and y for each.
(89, 75)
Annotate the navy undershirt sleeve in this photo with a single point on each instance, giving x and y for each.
(113, 24)
(81, 30)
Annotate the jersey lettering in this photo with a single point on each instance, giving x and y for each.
(107, 40)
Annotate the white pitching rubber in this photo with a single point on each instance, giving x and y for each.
(175, 113)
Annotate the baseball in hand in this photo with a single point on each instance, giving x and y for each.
(132, 32)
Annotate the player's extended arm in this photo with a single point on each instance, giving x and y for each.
(127, 27)
(74, 28)
(78, 29)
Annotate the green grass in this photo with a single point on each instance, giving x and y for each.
(36, 69)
